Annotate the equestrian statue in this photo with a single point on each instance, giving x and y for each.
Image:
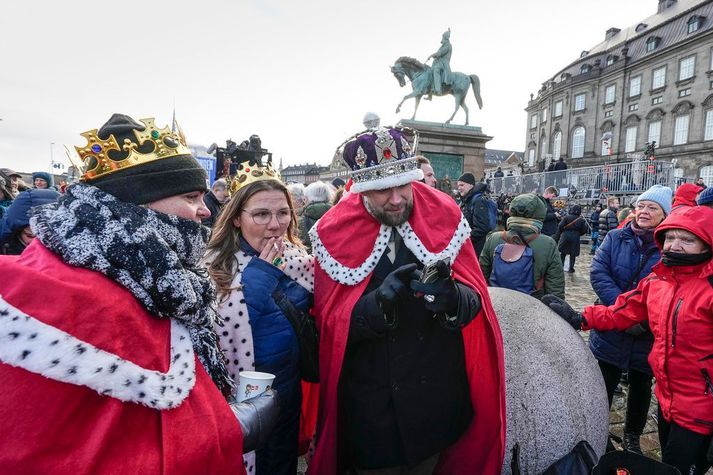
(436, 79)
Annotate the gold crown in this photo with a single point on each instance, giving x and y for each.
(250, 172)
(95, 155)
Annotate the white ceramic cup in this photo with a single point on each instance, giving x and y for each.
(253, 383)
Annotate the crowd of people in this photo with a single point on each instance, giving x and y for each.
(157, 293)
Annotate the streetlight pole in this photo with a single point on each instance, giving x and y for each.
(51, 157)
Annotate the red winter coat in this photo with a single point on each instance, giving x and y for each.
(678, 303)
(67, 334)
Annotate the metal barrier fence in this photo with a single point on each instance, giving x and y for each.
(590, 182)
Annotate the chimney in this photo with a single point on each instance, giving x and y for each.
(664, 4)
(611, 32)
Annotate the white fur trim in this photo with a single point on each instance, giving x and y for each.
(414, 244)
(28, 343)
(353, 275)
(338, 271)
(387, 181)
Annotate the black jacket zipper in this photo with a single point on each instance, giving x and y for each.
(674, 325)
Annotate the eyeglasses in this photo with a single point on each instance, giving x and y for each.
(264, 216)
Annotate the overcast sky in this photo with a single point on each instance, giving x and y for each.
(301, 74)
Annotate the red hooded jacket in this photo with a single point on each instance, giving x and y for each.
(678, 303)
(686, 195)
(346, 239)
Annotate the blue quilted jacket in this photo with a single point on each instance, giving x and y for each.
(276, 348)
(612, 273)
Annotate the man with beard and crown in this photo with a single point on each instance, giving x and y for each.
(108, 358)
(411, 358)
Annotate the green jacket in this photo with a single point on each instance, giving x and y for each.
(547, 262)
(311, 213)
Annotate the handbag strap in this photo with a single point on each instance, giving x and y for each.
(290, 311)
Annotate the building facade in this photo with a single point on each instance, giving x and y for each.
(652, 82)
(304, 174)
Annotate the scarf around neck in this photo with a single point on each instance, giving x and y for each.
(527, 225)
(153, 255)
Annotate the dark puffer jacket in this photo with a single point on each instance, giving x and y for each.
(607, 221)
(613, 272)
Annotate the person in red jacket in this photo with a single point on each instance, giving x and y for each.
(677, 300)
(108, 359)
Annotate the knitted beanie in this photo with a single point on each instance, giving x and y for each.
(706, 197)
(467, 178)
(659, 194)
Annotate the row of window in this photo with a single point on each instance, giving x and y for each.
(680, 137)
(686, 70)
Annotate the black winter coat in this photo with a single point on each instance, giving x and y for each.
(404, 391)
(549, 225)
(570, 229)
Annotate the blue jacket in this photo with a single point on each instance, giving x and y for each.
(17, 215)
(276, 352)
(612, 273)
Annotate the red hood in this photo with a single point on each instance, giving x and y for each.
(697, 220)
(686, 195)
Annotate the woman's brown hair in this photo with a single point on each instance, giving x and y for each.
(225, 238)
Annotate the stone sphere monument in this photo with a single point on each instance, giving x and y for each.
(555, 394)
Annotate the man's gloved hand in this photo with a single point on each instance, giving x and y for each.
(443, 290)
(394, 286)
(257, 417)
(564, 310)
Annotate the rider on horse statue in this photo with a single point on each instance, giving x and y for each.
(441, 67)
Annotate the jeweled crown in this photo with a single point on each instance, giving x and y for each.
(250, 171)
(96, 159)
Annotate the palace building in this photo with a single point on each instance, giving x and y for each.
(650, 82)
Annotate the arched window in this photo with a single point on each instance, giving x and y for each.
(556, 145)
(578, 135)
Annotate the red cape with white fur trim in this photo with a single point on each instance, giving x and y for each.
(347, 245)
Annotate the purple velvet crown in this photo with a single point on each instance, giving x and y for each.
(374, 147)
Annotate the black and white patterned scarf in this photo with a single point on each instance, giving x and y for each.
(154, 255)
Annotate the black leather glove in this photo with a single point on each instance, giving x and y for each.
(564, 310)
(443, 290)
(394, 287)
(257, 417)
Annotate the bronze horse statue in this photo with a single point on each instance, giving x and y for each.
(420, 76)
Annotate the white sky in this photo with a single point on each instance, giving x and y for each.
(301, 74)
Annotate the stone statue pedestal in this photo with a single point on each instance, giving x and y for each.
(452, 149)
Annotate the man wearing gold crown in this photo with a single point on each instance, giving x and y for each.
(108, 359)
(411, 361)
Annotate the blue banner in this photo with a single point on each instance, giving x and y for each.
(208, 163)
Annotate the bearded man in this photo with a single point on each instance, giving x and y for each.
(411, 359)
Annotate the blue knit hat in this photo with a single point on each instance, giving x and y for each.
(705, 197)
(659, 194)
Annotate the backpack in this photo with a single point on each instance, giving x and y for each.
(514, 266)
(492, 213)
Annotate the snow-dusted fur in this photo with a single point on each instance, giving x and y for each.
(28, 343)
